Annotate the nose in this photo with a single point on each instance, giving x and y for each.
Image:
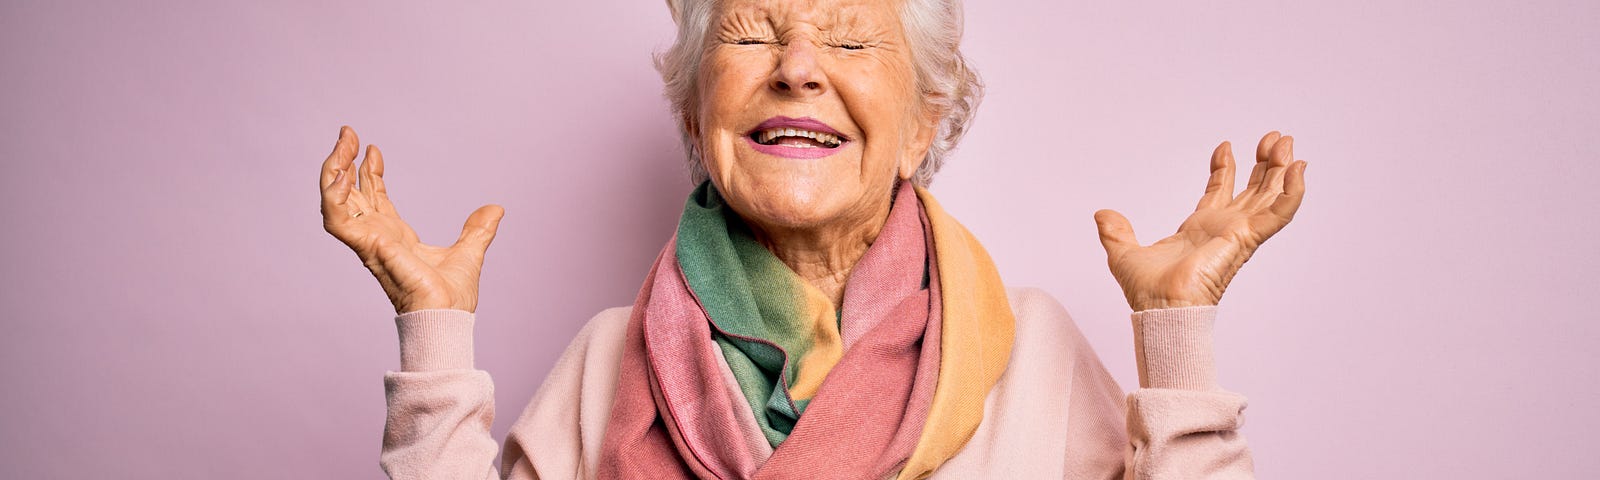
(798, 73)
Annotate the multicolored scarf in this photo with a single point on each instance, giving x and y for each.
(736, 368)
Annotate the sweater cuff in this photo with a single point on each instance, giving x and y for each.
(1173, 346)
(435, 339)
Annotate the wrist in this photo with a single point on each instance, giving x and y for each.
(431, 302)
(435, 340)
(1143, 304)
(1173, 348)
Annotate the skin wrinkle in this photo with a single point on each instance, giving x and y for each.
(818, 216)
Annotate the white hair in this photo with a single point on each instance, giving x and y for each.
(933, 30)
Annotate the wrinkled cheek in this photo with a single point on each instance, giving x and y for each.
(725, 81)
(709, 111)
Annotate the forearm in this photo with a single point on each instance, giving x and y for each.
(1181, 424)
(440, 407)
(1173, 347)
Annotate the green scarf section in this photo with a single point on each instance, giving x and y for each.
(764, 315)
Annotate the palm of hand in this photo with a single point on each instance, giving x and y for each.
(414, 275)
(1194, 266)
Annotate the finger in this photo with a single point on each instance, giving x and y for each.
(1219, 189)
(1269, 221)
(1116, 234)
(358, 204)
(344, 152)
(1282, 155)
(480, 229)
(372, 180)
(1263, 155)
(342, 201)
(336, 208)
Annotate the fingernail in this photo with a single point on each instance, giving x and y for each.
(338, 176)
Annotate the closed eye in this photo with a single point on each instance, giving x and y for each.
(749, 41)
(852, 46)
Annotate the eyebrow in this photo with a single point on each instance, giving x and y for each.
(755, 20)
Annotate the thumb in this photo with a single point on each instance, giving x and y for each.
(480, 229)
(1116, 234)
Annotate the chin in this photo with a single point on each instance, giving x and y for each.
(791, 203)
(774, 192)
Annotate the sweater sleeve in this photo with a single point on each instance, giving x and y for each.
(1180, 423)
(440, 407)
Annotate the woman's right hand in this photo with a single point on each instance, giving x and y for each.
(413, 274)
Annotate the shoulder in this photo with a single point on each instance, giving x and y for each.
(1054, 396)
(608, 326)
(1045, 331)
(559, 432)
(595, 353)
(1037, 301)
(1039, 313)
(599, 344)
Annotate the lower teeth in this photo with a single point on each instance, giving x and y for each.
(775, 142)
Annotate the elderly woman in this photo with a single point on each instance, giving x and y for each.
(818, 314)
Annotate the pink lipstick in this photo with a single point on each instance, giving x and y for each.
(795, 138)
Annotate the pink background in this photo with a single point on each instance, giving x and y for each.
(173, 308)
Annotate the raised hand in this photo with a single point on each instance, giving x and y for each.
(414, 275)
(1193, 266)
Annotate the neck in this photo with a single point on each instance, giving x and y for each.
(824, 256)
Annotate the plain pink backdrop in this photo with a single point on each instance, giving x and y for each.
(173, 309)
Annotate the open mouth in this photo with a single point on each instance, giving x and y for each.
(796, 137)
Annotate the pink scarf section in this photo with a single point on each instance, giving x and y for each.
(678, 415)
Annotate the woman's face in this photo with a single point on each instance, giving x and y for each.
(809, 111)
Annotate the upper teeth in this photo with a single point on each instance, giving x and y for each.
(769, 135)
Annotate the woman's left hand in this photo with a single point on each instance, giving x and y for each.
(1193, 266)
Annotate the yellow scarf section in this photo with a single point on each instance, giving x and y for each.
(975, 341)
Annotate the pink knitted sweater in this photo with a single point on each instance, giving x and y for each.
(1055, 413)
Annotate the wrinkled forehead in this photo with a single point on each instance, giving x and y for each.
(822, 14)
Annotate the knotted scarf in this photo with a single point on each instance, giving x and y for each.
(736, 368)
